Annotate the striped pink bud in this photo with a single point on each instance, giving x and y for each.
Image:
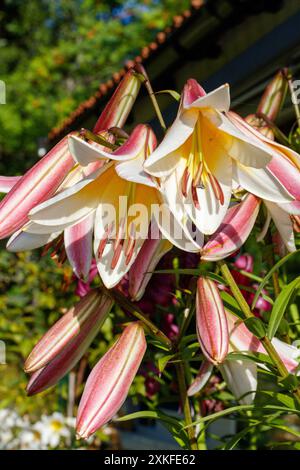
(212, 328)
(234, 230)
(109, 382)
(38, 184)
(65, 343)
(119, 106)
(274, 96)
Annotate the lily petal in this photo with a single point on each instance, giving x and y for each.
(241, 378)
(78, 245)
(178, 133)
(73, 204)
(260, 182)
(201, 379)
(241, 339)
(234, 230)
(140, 273)
(22, 240)
(217, 99)
(283, 224)
(8, 182)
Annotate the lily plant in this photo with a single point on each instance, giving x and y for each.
(119, 202)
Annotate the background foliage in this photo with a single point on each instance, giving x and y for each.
(53, 55)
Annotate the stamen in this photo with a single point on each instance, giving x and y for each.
(195, 197)
(216, 188)
(120, 233)
(184, 181)
(296, 223)
(104, 240)
(197, 179)
(116, 256)
(130, 244)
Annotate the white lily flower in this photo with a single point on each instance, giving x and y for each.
(203, 153)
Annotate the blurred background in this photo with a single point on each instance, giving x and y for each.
(60, 62)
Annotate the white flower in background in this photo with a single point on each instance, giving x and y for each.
(29, 439)
(52, 429)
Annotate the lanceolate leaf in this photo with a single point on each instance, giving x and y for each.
(269, 275)
(280, 306)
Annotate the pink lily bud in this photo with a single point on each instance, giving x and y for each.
(273, 96)
(140, 272)
(234, 231)
(65, 329)
(245, 262)
(66, 342)
(38, 184)
(119, 106)
(78, 244)
(212, 329)
(109, 382)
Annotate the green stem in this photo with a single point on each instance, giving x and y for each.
(97, 138)
(144, 78)
(185, 324)
(186, 405)
(137, 313)
(294, 98)
(282, 370)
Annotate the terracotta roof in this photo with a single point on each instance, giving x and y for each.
(146, 52)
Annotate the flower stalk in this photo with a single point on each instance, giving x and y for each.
(186, 405)
(145, 80)
(138, 314)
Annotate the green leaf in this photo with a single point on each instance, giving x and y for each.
(269, 275)
(173, 425)
(256, 326)
(163, 361)
(256, 357)
(231, 304)
(173, 93)
(231, 444)
(280, 306)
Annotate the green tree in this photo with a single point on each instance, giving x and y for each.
(54, 54)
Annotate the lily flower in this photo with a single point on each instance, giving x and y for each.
(108, 384)
(118, 234)
(66, 342)
(78, 238)
(201, 156)
(212, 328)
